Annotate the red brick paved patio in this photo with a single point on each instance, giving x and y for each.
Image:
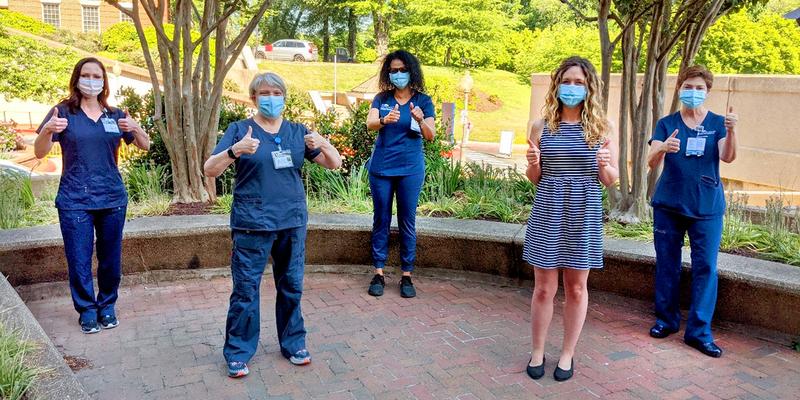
(457, 340)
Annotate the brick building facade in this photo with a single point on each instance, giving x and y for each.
(73, 15)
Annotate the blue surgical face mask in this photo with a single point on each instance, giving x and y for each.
(90, 87)
(692, 98)
(400, 79)
(571, 95)
(270, 106)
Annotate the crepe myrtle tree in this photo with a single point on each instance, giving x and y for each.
(191, 74)
(652, 35)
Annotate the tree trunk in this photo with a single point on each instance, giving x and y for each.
(628, 92)
(326, 39)
(191, 90)
(296, 24)
(380, 24)
(606, 50)
(352, 32)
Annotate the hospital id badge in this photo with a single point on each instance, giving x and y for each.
(415, 126)
(282, 159)
(110, 125)
(695, 146)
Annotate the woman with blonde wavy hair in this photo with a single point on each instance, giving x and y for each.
(571, 153)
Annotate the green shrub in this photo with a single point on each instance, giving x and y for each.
(17, 372)
(223, 205)
(352, 138)
(366, 55)
(22, 22)
(16, 197)
(41, 75)
(9, 139)
(120, 37)
(154, 205)
(146, 181)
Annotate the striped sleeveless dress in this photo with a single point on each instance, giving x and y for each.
(565, 229)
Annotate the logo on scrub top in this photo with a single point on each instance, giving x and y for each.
(701, 131)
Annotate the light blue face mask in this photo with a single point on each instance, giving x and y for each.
(270, 106)
(692, 98)
(571, 95)
(400, 79)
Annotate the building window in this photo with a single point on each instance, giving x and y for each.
(51, 14)
(124, 18)
(91, 18)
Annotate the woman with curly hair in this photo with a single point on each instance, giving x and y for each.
(570, 155)
(403, 115)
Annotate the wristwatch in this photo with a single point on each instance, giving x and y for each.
(231, 154)
(381, 121)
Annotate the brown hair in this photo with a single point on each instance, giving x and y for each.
(593, 118)
(696, 71)
(73, 100)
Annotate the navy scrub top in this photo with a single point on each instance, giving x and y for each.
(90, 179)
(398, 149)
(265, 198)
(691, 185)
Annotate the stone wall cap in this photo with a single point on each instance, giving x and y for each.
(756, 271)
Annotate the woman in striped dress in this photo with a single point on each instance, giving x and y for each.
(570, 151)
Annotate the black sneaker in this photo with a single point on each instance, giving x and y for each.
(89, 326)
(108, 322)
(376, 285)
(407, 288)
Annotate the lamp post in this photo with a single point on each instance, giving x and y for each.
(466, 86)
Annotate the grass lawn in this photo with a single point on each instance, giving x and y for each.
(514, 94)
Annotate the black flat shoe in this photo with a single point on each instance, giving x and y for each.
(537, 371)
(659, 331)
(710, 349)
(561, 375)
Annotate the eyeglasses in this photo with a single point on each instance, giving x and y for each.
(396, 70)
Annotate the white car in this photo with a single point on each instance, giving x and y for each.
(288, 50)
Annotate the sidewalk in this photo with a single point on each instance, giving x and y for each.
(456, 340)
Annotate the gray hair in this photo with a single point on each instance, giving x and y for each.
(269, 79)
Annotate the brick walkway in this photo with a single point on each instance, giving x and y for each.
(457, 340)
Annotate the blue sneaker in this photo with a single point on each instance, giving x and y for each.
(237, 369)
(89, 326)
(302, 357)
(109, 322)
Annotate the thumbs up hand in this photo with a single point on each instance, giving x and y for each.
(604, 154)
(393, 115)
(247, 145)
(314, 140)
(416, 113)
(672, 144)
(55, 124)
(127, 124)
(533, 153)
(730, 119)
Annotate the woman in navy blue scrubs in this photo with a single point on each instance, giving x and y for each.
(689, 198)
(403, 115)
(268, 217)
(91, 196)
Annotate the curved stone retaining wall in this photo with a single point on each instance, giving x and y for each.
(751, 291)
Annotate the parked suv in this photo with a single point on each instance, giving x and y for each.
(340, 54)
(288, 50)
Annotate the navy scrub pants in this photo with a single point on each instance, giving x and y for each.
(383, 189)
(704, 239)
(78, 229)
(251, 250)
